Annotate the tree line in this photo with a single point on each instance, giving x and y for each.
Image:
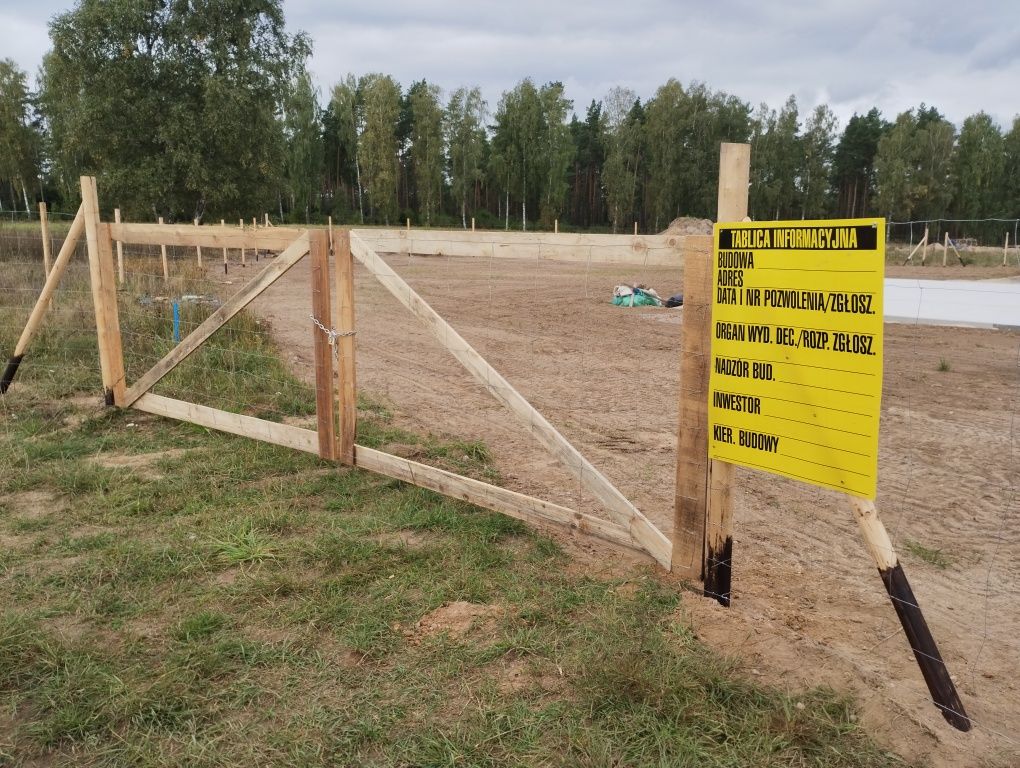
(206, 110)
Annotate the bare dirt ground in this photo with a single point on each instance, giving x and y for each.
(808, 605)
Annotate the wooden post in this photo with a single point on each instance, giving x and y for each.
(635, 229)
(734, 174)
(162, 254)
(223, 223)
(347, 389)
(924, 250)
(241, 225)
(329, 228)
(104, 294)
(267, 221)
(44, 301)
(408, 225)
(323, 345)
(472, 223)
(198, 249)
(120, 249)
(945, 249)
(556, 226)
(1005, 249)
(922, 643)
(923, 243)
(44, 227)
(254, 227)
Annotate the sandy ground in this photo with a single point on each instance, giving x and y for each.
(808, 606)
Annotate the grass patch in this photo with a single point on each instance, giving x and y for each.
(944, 366)
(930, 555)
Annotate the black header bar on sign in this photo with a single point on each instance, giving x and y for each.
(794, 238)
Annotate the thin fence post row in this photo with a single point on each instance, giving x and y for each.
(43, 303)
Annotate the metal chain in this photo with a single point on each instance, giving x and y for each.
(331, 333)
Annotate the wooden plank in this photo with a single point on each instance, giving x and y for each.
(162, 255)
(45, 231)
(619, 507)
(104, 294)
(44, 302)
(509, 503)
(233, 305)
(223, 225)
(276, 239)
(734, 175)
(234, 423)
(346, 347)
(323, 349)
(691, 505)
(244, 263)
(198, 250)
(120, 249)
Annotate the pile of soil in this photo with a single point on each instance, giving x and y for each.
(688, 225)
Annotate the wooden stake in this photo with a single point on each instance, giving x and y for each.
(945, 249)
(120, 249)
(223, 224)
(255, 227)
(635, 229)
(104, 294)
(44, 226)
(268, 225)
(472, 223)
(922, 243)
(318, 248)
(734, 174)
(162, 253)
(45, 300)
(691, 504)
(922, 643)
(329, 228)
(556, 226)
(408, 225)
(346, 347)
(198, 249)
(243, 262)
(1005, 249)
(924, 250)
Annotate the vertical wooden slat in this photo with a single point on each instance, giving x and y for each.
(162, 255)
(321, 310)
(45, 229)
(734, 174)
(692, 440)
(347, 384)
(198, 249)
(104, 294)
(241, 225)
(223, 224)
(120, 250)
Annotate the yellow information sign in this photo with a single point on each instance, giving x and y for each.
(796, 369)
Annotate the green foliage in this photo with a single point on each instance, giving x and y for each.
(19, 137)
(172, 105)
(427, 150)
(463, 125)
(304, 145)
(377, 144)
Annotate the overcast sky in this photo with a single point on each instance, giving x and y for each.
(960, 57)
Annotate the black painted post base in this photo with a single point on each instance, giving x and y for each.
(933, 669)
(719, 572)
(9, 371)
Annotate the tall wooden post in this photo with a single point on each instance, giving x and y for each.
(635, 229)
(693, 533)
(120, 250)
(945, 249)
(924, 248)
(45, 229)
(734, 174)
(104, 294)
(223, 223)
(323, 344)
(162, 255)
(241, 225)
(1005, 249)
(198, 249)
(346, 346)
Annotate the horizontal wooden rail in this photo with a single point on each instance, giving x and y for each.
(234, 423)
(275, 239)
(510, 503)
